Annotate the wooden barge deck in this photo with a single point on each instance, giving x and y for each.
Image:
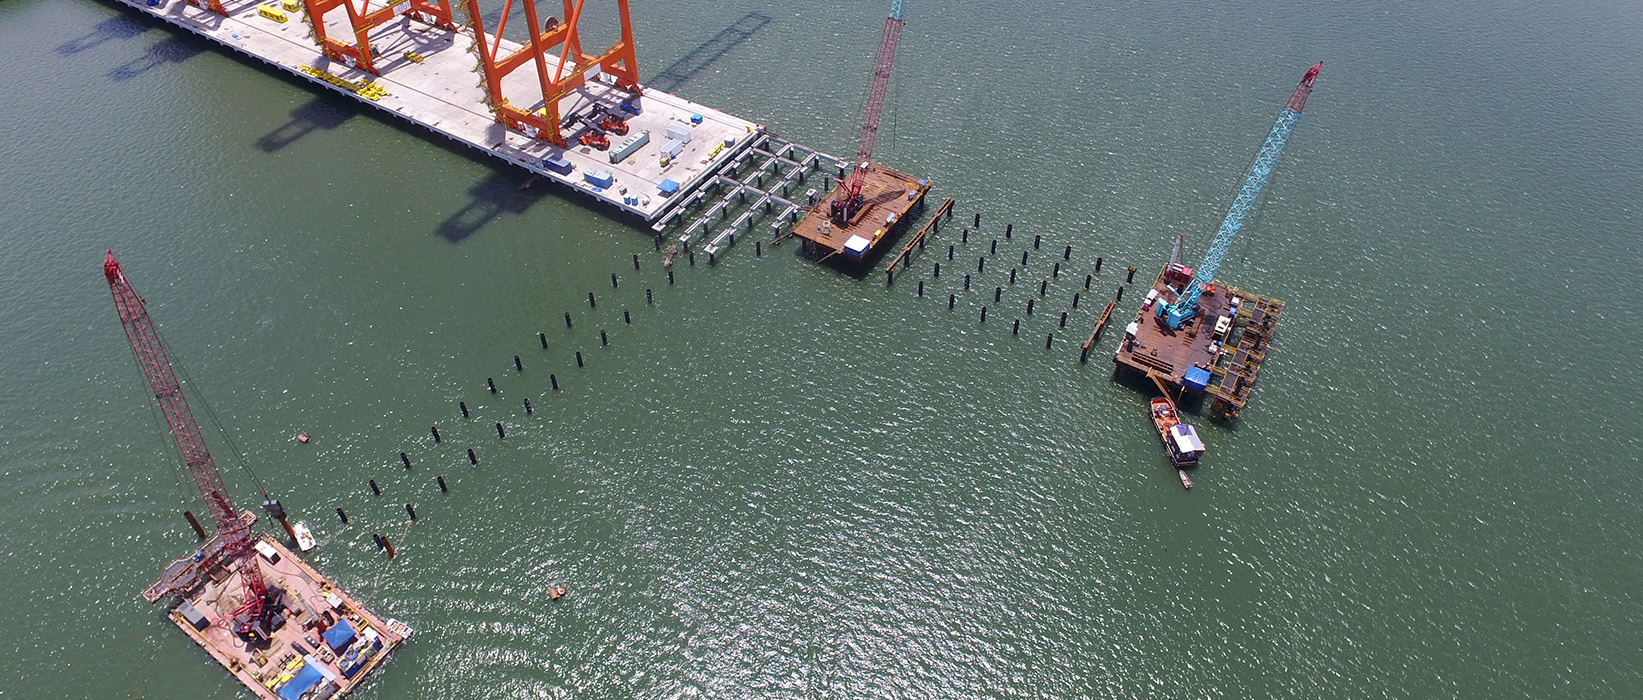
(326, 646)
(891, 197)
(1231, 358)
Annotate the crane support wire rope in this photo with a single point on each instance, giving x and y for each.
(211, 414)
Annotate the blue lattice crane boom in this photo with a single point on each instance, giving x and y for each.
(1186, 305)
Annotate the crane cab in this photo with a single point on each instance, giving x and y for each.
(1177, 275)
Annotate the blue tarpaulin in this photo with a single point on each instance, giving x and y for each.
(1195, 378)
(668, 187)
(306, 677)
(339, 636)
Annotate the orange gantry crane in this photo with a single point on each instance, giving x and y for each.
(362, 19)
(615, 66)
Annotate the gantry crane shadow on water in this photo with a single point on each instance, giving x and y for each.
(499, 193)
(111, 29)
(172, 50)
(700, 58)
(322, 113)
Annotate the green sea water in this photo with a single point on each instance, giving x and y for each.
(780, 481)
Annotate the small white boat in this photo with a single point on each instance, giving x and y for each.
(305, 537)
(403, 630)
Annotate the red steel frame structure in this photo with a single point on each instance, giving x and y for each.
(573, 69)
(849, 201)
(363, 19)
(212, 5)
(233, 533)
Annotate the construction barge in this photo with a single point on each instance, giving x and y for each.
(1196, 333)
(317, 641)
(1218, 353)
(889, 198)
(283, 629)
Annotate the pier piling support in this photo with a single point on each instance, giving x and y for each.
(195, 523)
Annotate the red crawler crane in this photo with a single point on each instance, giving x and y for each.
(234, 541)
(849, 202)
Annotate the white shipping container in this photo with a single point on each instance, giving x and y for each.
(678, 133)
(672, 148)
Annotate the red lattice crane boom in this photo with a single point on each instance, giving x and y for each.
(234, 540)
(849, 201)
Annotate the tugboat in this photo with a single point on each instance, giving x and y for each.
(1181, 442)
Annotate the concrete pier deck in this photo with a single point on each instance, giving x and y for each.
(441, 93)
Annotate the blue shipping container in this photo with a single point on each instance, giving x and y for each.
(599, 178)
(558, 164)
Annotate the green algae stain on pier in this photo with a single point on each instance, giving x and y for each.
(778, 481)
